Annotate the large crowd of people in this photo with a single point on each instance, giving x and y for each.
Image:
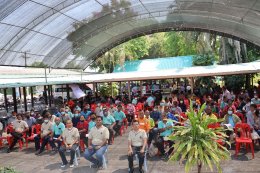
(94, 123)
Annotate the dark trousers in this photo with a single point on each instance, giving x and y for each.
(136, 150)
(152, 134)
(62, 151)
(130, 118)
(52, 142)
(111, 133)
(16, 137)
(160, 145)
(37, 141)
(117, 127)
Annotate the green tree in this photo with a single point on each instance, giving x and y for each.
(197, 144)
(108, 89)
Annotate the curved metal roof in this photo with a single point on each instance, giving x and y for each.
(42, 28)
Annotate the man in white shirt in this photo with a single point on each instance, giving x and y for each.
(97, 143)
(45, 135)
(137, 141)
(70, 137)
(20, 127)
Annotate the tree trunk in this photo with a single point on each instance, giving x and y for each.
(199, 167)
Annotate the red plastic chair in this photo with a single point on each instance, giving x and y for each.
(214, 126)
(36, 129)
(243, 130)
(241, 116)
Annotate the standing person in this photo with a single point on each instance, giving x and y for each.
(97, 143)
(57, 128)
(119, 117)
(20, 127)
(109, 122)
(45, 135)
(82, 126)
(70, 137)
(137, 141)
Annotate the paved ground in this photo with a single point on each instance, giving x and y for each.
(25, 161)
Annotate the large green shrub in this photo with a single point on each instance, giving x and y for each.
(196, 144)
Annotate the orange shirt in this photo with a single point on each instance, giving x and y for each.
(144, 124)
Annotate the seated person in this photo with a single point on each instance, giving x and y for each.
(230, 121)
(144, 123)
(156, 115)
(97, 143)
(45, 135)
(165, 130)
(57, 129)
(176, 108)
(152, 130)
(82, 126)
(70, 137)
(170, 115)
(130, 112)
(86, 111)
(137, 140)
(109, 122)
(20, 127)
(119, 116)
(208, 113)
(12, 118)
(255, 100)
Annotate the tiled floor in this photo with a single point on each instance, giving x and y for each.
(25, 161)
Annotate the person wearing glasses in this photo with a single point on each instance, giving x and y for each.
(97, 143)
(137, 141)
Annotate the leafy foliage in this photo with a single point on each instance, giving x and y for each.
(203, 59)
(197, 144)
(106, 89)
(7, 170)
(235, 82)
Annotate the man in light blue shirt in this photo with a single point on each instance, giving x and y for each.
(92, 123)
(86, 111)
(109, 122)
(165, 129)
(57, 129)
(119, 117)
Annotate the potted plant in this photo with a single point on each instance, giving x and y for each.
(196, 144)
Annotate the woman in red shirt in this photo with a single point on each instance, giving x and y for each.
(82, 126)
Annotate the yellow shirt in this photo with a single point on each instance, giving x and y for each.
(210, 116)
